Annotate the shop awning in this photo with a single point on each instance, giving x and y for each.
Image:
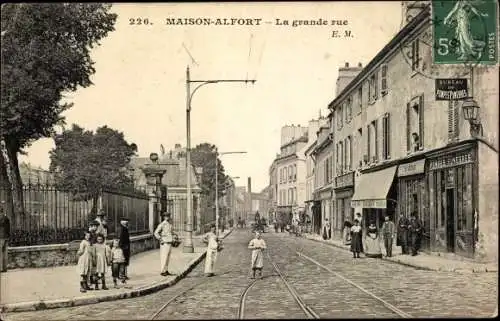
(372, 189)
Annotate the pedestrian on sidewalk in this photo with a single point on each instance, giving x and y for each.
(212, 242)
(4, 238)
(124, 237)
(415, 233)
(372, 242)
(327, 231)
(86, 256)
(117, 263)
(347, 232)
(257, 245)
(388, 231)
(163, 233)
(403, 237)
(356, 246)
(103, 257)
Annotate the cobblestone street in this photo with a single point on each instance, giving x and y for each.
(416, 292)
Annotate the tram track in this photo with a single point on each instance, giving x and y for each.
(308, 311)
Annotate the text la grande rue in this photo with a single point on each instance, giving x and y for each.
(316, 22)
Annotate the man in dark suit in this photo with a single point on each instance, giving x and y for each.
(124, 237)
(4, 238)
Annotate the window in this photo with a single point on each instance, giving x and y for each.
(290, 173)
(360, 99)
(383, 73)
(415, 55)
(415, 124)
(341, 146)
(386, 128)
(368, 143)
(349, 140)
(453, 128)
(294, 173)
(349, 109)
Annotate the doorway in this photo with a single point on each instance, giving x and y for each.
(450, 219)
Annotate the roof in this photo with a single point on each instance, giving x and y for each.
(302, 138)
(395, 41)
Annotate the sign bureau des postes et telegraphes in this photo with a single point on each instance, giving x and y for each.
(451, 89)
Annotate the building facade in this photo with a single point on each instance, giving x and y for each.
(399, 151)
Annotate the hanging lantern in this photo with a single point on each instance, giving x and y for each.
(471, 110)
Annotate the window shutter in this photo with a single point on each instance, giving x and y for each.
(368, 142)
(384, 79)
(388, 136)
(375, 85)
(408, 139)
(421, 121)
(375, 128)
(350, 152)
(456, 128)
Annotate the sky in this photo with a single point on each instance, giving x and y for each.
(139, 86)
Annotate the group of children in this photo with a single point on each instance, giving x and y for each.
(93, 258)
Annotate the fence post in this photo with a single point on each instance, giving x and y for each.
(153, 199)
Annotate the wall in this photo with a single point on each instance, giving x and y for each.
(64, 254)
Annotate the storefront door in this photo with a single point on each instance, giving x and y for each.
(450, 219)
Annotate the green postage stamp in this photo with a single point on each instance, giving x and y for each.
(465, 31)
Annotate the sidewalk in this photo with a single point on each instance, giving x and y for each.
(57, 287)
(422, 260)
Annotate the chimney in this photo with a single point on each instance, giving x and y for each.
(360, 65)
(347, 65)
(249, 185)
(177, 146)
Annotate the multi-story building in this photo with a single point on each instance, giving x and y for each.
(409, 153)
(273, 189)
(323, 155)
(312, 209)
(290, 168)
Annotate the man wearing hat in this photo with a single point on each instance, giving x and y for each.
(124, 238)
(163, 233)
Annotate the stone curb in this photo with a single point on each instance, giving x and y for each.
(78, 301)
(419, 267)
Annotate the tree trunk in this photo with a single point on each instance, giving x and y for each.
(5, 186)
(19, 214)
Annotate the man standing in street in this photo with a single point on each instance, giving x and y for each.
(4, 238)
(388, 231)
(402, 237)
(163, 233)
(124, 237)
(415, 233)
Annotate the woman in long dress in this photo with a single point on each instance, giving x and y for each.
(212, 242)
(347, 232)
(257, 245)
(372, 242)
(356, 246)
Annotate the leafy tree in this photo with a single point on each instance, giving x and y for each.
(204, 156)
(85, 162)
(45, 53)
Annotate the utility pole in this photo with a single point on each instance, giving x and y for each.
(188, 242)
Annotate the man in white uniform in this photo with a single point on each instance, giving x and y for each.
(163, 233)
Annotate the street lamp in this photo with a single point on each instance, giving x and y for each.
(188, 243)
(471, 113)
(217, 186)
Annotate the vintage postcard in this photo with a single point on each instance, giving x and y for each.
(249, 160)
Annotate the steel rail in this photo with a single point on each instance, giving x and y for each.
(385, 303)
(243, 296)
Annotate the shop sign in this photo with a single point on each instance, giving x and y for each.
(325, 195)
(369, 203)
(451, 89)
(346, 180)
(414, 168)
(451, 161)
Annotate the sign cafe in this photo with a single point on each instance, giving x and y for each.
(346, 180)
(451, 89)
(450, 161)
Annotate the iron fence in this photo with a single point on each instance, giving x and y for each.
(203, 215)
(52, 215)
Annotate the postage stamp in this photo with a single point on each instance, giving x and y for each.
(465, 31)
